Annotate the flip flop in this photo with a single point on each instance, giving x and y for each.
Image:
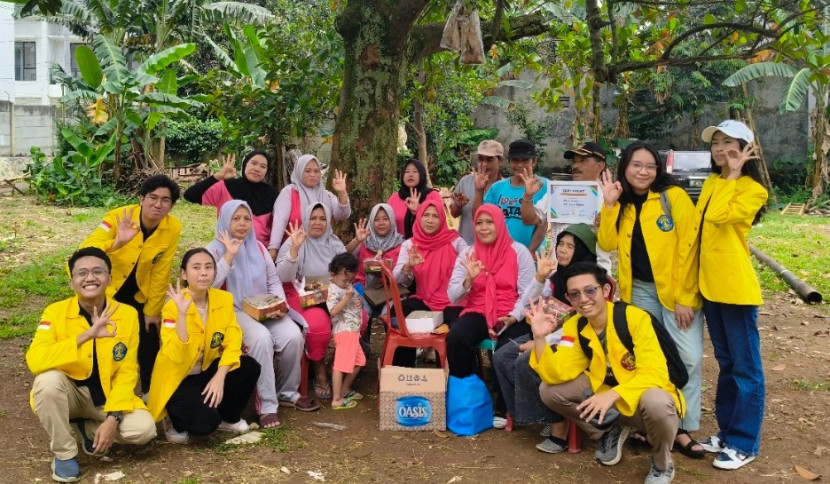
(269, 421)
(639, 439)
(353, 395)
(346, 405)
(323, 392)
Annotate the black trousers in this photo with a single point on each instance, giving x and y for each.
(406, 356)
(187, 408)
(149, 342)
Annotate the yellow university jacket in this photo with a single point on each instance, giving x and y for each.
(668, 246)
(55, 348)
(648, 371)
(153, 256)
(220, 337)
(726, 273)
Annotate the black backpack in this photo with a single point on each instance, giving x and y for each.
(677, 370)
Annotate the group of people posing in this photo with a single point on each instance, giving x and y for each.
(199, 356)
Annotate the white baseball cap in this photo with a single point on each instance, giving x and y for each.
(731, 128)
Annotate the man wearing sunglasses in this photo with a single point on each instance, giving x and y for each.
(141, 241)
(595, 387)
(84, 359)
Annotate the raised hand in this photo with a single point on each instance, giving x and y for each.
(415, 257)
(180, 297)
(531, 183)
(541, 323)
(101, 324)
(611, 190)
(480, 180)
(473, 265)
(545, 266)
(338, 184)
(737, 159)
(361, 230)
(127, 229)
(459, 199)
(231, 244)
(413, 201)
(228, 170)
(296, 233)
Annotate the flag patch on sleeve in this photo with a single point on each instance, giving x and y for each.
(169, 323)
(105, 226)
(566, 341)
(44, 326)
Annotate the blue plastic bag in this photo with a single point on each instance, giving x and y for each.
(469, 406)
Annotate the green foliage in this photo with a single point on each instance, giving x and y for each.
(454, 161)
(74, 179)
(189, 140)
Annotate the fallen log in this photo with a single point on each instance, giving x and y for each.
(805, 291)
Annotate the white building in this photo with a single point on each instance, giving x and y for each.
(28, 98)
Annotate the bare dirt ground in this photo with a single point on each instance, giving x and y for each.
(796, 348)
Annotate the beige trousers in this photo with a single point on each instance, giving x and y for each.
(57, 399)
(656, 415)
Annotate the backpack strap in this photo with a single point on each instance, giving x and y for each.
(621, 326)
(665, 203)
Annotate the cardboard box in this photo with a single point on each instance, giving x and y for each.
(424, 321)
(264, 307)
(374, 265)
(413, 398)
(314, 291)
(558, 309)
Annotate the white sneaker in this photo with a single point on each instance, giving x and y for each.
(173, 436)
(499, 422)
(713, 444)
(730, 459)
(239, 427)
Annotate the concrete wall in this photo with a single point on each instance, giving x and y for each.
(33, 126)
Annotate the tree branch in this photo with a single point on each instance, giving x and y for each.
(766, 32)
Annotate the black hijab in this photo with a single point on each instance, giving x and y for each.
(259, 196)
(581, 254)
(404, 191)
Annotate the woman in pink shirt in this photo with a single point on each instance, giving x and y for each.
(413, 192)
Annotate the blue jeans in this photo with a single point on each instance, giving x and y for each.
(689, 344)
(739, 400)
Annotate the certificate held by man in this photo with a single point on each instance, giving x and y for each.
(573, 202)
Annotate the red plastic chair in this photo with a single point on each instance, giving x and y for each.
(400, 337)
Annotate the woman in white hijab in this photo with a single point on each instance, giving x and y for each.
(305, 254)
(306, 189)
(244, 269)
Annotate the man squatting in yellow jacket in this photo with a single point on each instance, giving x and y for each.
(84, 358)
(635, 387)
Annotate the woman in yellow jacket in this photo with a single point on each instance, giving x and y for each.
(650, 222)
(201, 380)
(731, 200)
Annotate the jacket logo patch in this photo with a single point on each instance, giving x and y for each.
(216, 339)
(628, 362)
(665, 223)
(119, 351)
(157, 257)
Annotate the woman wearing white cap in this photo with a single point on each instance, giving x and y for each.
(731, 200)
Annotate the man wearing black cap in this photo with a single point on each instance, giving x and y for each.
(588, 163)
(508, 194)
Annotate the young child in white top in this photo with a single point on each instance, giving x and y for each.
(346, 309)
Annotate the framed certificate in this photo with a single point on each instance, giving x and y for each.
(573, 202)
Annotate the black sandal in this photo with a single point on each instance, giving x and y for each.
(639, 439)
(688, 449)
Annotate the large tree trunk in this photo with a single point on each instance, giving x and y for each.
(821, 143)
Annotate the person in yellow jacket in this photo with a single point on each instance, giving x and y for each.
(141, 241)
(84, 359)
(201, 380)
(731, 200)
(651, 222)
(611, 383)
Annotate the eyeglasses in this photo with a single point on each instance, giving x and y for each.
(590, 292)
(639, 166)
(83, 273)
(154, 200)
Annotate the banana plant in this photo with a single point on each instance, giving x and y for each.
(122, 99)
